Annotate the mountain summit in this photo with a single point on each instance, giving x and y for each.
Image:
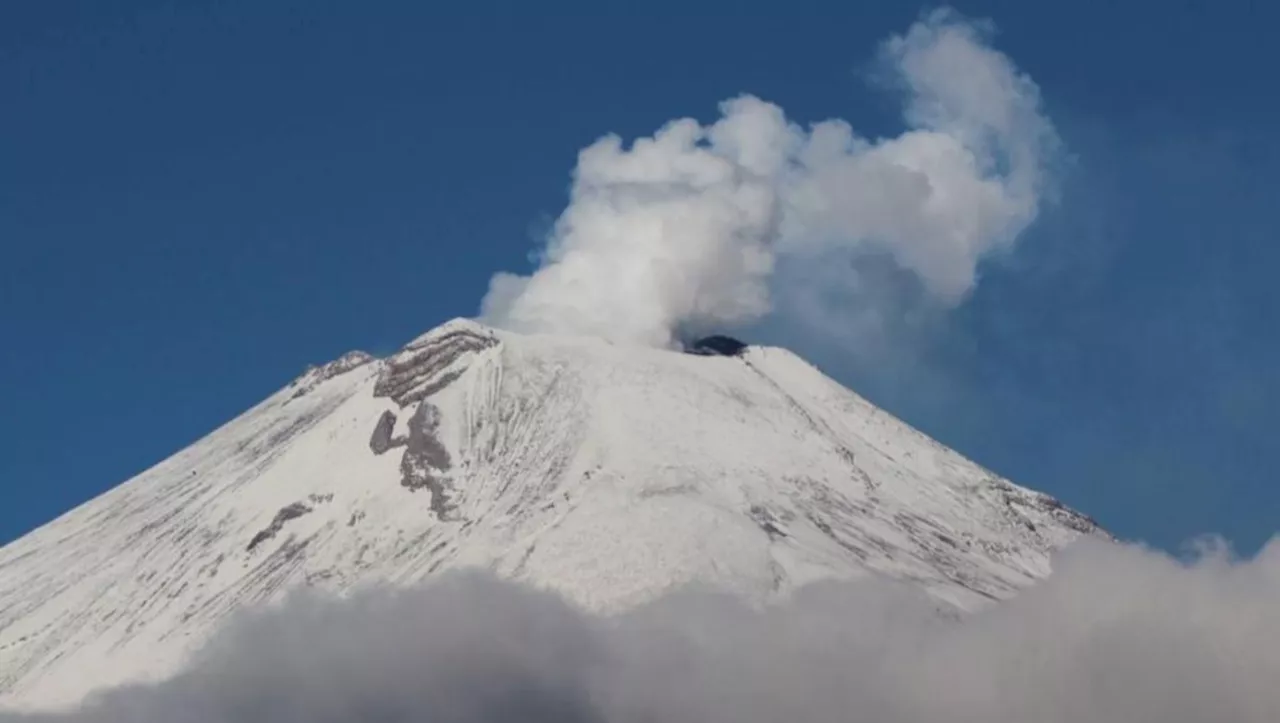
(608, 473)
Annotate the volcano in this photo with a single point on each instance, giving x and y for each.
(609, 474)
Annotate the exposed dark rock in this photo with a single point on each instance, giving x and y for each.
(286, 513)
(440, 382)
(381, 441)
(767, 522)
(426, 460)
(418, 371)
(314, 375)
(717, 345)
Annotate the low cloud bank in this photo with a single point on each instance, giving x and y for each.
(1118, 634)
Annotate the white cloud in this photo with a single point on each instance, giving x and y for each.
(682, 232)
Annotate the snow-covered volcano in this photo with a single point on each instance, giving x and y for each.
(608, 473)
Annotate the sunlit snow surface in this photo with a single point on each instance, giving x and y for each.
(608, 473)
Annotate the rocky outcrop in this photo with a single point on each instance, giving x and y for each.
(286, 513)
(315, 375)
(423, 367)
(426, 461)
(411, 376)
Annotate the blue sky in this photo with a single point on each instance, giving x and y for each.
(197, 199)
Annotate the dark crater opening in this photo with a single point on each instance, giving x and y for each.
(716, 345)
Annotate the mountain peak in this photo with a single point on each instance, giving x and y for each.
(427, 364)
(457, 325)
(610, 474)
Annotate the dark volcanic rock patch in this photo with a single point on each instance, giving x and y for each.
(286, 513)
(435, 385)
(418, 371)
(381, 440)
(426, 460)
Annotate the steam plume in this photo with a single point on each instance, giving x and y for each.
(683, 230)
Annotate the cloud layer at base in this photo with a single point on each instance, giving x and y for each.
(682, 232)
(1116, 634)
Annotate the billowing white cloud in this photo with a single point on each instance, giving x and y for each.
(1116, 634)
(682, 232)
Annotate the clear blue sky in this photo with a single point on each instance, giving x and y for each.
(197, 199)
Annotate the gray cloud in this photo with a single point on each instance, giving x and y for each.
(1118, 634)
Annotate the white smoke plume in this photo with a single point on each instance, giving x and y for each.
(1116, 635)
(683, 231)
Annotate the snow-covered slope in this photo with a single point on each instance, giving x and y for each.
(609, 473)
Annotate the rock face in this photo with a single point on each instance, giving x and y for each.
(380, 442)
(607, 473)
(430, 362)
(286, 513)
